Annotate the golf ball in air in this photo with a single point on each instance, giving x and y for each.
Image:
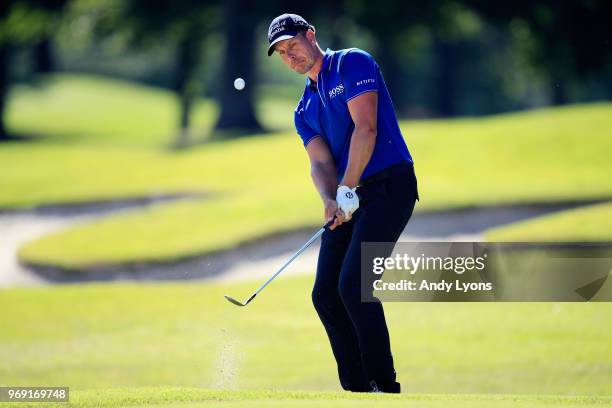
(239, 84)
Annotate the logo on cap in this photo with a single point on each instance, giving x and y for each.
(284, 27)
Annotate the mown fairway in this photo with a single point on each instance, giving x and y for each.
(190, 398)
(105, 336)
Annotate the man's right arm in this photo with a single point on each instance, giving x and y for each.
(325, 178)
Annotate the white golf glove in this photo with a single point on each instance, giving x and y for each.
(347, 200)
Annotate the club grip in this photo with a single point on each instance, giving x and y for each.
(329, 223)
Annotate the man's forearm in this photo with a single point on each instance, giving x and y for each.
(325, 178)
(363, 141)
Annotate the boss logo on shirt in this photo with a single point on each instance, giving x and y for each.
(336, 91)
(365, 81)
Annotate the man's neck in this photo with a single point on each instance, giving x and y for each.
(316, 68)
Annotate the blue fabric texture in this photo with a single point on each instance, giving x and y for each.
(323, 110)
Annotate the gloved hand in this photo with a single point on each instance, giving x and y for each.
(348, 201)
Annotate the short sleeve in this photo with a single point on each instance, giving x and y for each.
(359, 74)
(303, 129)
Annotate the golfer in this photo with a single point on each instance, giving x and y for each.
(363, 171)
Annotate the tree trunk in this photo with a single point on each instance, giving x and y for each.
(237, 107)
(391, 70)
(607, 81)
(187, 84)
(43, 56)
(445, 77)
(558, 92)
(4, 85)
(335, 12)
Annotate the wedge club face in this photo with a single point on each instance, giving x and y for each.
(237, 303)
(234, 301)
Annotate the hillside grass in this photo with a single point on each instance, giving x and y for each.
(584, 224)
(100, 140)
(87, 109)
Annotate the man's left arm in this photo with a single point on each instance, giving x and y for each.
(363, 109)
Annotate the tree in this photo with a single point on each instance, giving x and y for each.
(22, 23)
(43, 55)
(237, 107)
(184, 23)
(569, 38)
(389, 19)
(4, 85)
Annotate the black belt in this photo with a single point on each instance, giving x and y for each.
(389, 171)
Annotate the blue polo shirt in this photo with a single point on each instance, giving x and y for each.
(323, 110)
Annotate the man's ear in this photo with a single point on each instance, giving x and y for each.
(310, 35)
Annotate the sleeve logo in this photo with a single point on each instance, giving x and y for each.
(365, 81)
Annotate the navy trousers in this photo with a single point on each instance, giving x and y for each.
(357, 330)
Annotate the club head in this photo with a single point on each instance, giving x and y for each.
(237, 303)
(234, 301)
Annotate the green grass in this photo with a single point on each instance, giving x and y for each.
(190, 397)
(186, 334)
(102, 336)
(79, 109)
(82, 109)
(590, 223)
(547, 155)
(188, 228)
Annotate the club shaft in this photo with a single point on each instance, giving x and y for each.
(299, 251)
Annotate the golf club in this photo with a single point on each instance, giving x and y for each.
(299, 251)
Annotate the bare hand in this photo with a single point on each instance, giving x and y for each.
(333, 213)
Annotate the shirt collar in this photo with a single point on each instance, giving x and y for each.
(327, 58)
(325, 66)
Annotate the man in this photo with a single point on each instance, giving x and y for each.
(363, 171)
